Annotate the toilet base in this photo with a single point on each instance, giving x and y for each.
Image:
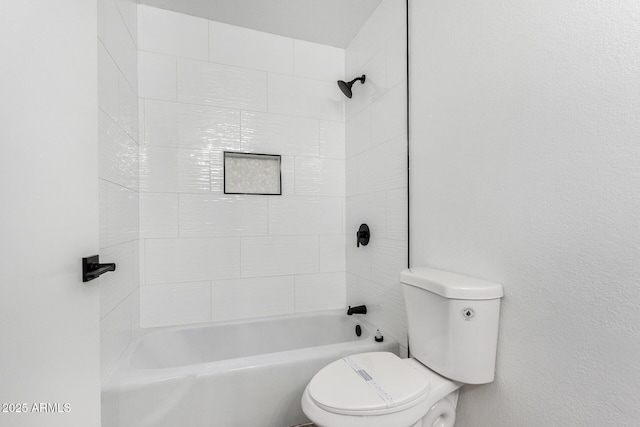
(441, 414)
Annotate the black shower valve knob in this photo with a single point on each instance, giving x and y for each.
(363, 235)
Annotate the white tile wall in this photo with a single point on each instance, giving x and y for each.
(351, 176)
(217, 84)
(230, 88)
(172, 170)
(395, 58)
(375, 71)
(191, 259)
(359, 258)
(118, 41)
(127, 108)
(385, 305)
(116, 97)
(108, 75)
(217, 169)
(389, 158)
(102, 199)
(159, 215)
(230, 215)
(175, 304)
(298, 215)
(162, 31)
(279, 255)
(368, 92)
(243, 298)
(141, 121)
(118, 155)
(320, 291)
(142, 262)
(373, 35)
(376, 168)
(115, 334)
(333, 256)
(316, 61)
(396, 211)
(297, 96)
(279, 134)
(358, 131)
(120, 215)
(319, 177)
(288, 175)
(389, 115)
(157, 76)
(247, 48)
(129, 12)
(388, 258)
(172, 124)
(118, 172)
(223, 104)
(354, 296)
(369, 208)
(332, 140)
(115, 288)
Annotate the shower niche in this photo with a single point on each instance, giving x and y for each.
(252, 173)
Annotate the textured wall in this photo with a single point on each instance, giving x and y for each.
(118, 172)
(377, 167)
(206, 87)
(525, 171)
(49, 214)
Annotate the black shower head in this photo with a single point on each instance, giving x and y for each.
(345, 87)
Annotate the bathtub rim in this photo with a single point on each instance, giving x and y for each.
(125, 375)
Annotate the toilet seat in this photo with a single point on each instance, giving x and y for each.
(369, 384)
(340, 396)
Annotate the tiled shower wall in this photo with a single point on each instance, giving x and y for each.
(206, 87)
(376, 167)
(118, 172)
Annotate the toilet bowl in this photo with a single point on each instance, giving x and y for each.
(452, 323)
(380, 390)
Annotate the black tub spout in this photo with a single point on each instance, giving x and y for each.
(361, 309)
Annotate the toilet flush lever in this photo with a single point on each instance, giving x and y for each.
(363, 235)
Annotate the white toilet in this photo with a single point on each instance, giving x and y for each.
(453, 332)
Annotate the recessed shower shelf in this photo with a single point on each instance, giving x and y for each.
(251, 173)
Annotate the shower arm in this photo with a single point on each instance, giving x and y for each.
(361, 78)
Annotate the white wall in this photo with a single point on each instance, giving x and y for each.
(118, 170)
(376, 168)
(206, 87)
(49, 325)
(525, 155)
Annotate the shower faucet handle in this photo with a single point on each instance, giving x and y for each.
(363, 235)
(92, 269)
(361, 309)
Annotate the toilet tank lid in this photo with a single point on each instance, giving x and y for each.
(451, 285)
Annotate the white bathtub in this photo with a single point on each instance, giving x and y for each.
(247, 373)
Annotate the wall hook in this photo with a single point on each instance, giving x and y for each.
(92, 269)
(363, 235)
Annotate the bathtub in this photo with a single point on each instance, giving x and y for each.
(249, 373)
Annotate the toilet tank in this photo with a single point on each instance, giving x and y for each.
(452, 323)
